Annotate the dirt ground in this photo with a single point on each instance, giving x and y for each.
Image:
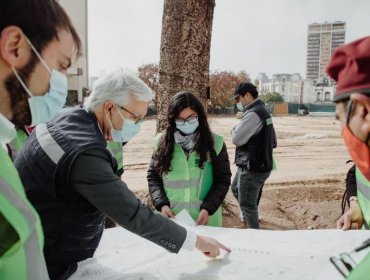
(304, 192)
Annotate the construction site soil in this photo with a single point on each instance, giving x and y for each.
(305, 190)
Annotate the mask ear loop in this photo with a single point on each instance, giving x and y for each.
(349, 108)
(368, 135)
(110, 122)
(21, 82)
(119, 112)
(111, 125)
(41, 60)
(38, 55)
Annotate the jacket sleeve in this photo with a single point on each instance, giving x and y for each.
(250, 125)
(93, 177)
(351, 186)
(275, 139)
(155, 184)
(221, 182)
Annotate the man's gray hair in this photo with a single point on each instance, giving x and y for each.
(119, 87)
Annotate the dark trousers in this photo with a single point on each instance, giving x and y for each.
(247, 189)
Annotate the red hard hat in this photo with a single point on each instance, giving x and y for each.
(350, 68)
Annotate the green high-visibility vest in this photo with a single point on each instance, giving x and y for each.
(23, 257)
(117, 151)
(186, 185)
(363, 196)
(361, 271)
(18, 142)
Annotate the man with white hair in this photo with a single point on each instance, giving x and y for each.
(69, 176)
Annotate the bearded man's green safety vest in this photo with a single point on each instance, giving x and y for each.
(18, 142)
(21, 236)
(116, 149)
(186, 185)
(363, 196)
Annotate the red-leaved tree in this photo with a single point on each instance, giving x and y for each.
(149, 73)
(222, 84)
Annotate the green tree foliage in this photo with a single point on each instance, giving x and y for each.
(271, 97)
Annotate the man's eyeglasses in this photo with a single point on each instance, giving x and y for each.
(138, 119)
(191, 119)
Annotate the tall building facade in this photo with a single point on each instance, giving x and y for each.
(322, 40)
(78, 72)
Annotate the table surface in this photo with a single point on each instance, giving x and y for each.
(256, 254)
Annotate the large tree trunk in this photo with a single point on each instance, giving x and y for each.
(185, 51)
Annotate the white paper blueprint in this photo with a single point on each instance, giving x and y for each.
(256, 254)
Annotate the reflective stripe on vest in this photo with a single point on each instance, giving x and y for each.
(363, 195)
(175, 184)
(34, 261)
(48, 144)
(186, 205)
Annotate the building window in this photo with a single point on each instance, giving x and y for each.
(327, 96)
(318, 96)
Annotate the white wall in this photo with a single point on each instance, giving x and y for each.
(77, 11)
(323, 93)
(291, 89)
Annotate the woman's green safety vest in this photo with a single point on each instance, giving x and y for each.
(186, 185)
(363, 196)
(117, 151)
(23, 258)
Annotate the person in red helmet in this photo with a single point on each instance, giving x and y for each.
(350, 68)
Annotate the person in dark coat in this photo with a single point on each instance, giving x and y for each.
(70, 177)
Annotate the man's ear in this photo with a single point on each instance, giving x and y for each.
(108, 106)
(14, 49)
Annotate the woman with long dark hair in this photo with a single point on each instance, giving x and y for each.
(190, 167)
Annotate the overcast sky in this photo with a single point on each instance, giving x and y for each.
(256, 36)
